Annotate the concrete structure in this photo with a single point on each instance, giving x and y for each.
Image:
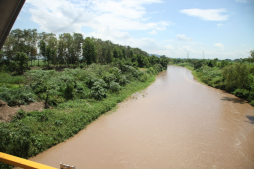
(9, 11)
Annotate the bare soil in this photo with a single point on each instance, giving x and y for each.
(6, 112)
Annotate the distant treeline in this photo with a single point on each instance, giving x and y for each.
(234, 77)
(69, 49)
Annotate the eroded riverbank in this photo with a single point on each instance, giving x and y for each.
(175, 123)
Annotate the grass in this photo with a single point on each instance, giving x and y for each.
(9, 79)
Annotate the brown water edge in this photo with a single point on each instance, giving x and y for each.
(175, 123)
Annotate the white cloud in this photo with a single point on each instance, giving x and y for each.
(219, 45)
(108, 19)
(244, 1)
(220, 24)
(153, 32)
(170, 47)
(183, 37)
(70, 16)
(207, 14)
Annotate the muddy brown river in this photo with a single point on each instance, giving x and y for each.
(176, 122)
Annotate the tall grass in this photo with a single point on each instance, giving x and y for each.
(7, 78)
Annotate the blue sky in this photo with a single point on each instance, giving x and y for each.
(221, 28)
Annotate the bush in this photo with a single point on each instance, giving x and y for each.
(123, 80)
(143, 76)
(20, 115)
(15, 139)
(98, 91)
(158, 68)
(242, 93)
(114, 86)
(18, 96)
(108, 77)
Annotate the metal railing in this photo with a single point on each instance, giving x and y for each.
(27, 164)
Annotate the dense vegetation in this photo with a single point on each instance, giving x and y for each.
(234, 77)
(79, 84)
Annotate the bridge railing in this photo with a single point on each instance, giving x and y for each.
(27, 164)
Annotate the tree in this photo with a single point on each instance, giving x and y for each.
(108, 55)
(77, 42)
(1, 55)
(89, 52)
(42, 49)
(48, 54)
(22, 60)
(252, 55)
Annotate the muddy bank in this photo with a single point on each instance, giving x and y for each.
(6, 112)
(175, 123)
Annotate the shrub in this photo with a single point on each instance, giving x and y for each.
(114, 86)
(98, 91)
(158, 68)
(108, 77)
(18, 96)
(20, 115)
(123, 80)
(242, 93)
(15, 139)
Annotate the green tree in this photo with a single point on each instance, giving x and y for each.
(22, 61)
(108, 55)
(252, 55)
(237, 76)
(48, 54)
(89, 51)
(42, 50)
(77, 42)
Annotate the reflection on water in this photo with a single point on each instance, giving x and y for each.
(175, 123)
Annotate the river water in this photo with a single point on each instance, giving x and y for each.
(175, 123)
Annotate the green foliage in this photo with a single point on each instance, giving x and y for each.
(158, 68)
(236, 78)
(6, 78)
(20, 115)
(98, 91)
(22, 61)
(242, 93)
(114, 86)
(89, 51)
(15, 139)
(18, 96)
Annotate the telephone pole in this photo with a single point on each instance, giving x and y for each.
(203, 55)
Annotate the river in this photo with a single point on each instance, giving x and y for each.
(176, 122)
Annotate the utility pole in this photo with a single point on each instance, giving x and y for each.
(203, 55)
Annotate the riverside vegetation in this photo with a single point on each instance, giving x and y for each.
(79, 85)
(236, 77)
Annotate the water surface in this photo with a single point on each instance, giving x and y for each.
(175, 123)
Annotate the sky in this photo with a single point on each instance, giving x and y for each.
(222, 29)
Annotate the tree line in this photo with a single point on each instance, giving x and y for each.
(68, 49)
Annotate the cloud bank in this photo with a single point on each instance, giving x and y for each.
(207, 14)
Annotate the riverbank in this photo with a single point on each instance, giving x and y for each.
(37, 131)
(235, 79)
(174, 118)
